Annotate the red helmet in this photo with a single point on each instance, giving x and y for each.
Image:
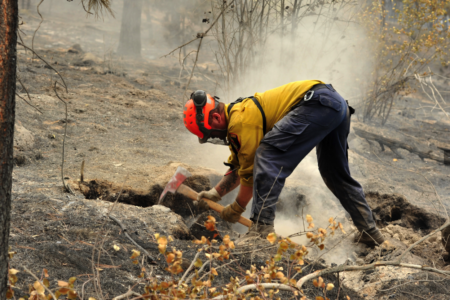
(196, 114)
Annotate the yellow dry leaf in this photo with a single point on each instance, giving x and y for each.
(214, 271)
(198, 263)
(309, 235)
(46, 282)
(162, 248)
(156, 235)
(162, 240)
(170, 238)
(394, 159)
(92, 298)
(135, 254)
(13, 271)
(272, 237)
(320, 282)
(330, 220)
(45, 273)
(38, 287)
(170, 258)
(309, 219)
(311, 225)
(62, 283)
(117, 248)
(319, 298)
(330, 286)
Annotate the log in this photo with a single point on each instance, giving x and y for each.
(395, 140)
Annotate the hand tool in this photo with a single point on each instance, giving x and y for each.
(175, 185)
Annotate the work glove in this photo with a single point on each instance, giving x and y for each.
(212, 195)
(232, 212)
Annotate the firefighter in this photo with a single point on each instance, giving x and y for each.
(268, 135)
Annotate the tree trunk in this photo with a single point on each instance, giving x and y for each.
(130, 30)
(8, 39)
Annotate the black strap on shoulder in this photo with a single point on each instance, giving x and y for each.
(239, 100)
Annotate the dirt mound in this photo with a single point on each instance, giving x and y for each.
(180, 204)
(395, 209)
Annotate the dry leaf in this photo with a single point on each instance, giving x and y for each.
(272, 237)
(13, 271)
(117, 248)
(135, 254)
(198, 263)
(38, 287)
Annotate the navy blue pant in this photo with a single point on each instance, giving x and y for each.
(322, 122)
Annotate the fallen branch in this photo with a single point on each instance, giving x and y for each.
(395, 141)
(126, 295)
(153, 262)
(258, 286)
(190, 268)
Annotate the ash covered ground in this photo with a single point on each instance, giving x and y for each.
(125, 122)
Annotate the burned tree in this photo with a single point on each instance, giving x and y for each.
(130, 31)
(8, 59)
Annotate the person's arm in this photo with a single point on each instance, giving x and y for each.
(244, 196)
(228, 183)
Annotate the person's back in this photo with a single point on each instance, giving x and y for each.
(277, 102)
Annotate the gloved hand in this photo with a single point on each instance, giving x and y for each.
(212, 195)
(232, 212)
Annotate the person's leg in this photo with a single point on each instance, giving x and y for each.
(284, 147)
(333, 166)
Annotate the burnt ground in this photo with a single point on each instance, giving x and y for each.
(124, 121)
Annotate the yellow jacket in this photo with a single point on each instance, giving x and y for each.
(245, 127)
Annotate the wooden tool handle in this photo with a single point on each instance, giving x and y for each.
(190, 193)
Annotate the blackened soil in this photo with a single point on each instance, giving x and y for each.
(395, 209)
(178, 203)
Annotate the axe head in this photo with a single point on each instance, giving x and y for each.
(177, 179)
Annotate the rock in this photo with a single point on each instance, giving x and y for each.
(88, 59)
(161, 208)
(141, 81)
(98, 70)
(23, 139)
(75, 49)
(100, 128)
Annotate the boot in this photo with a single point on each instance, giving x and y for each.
(260, 230)
(372, 237)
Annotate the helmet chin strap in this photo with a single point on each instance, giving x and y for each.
(219, 141)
